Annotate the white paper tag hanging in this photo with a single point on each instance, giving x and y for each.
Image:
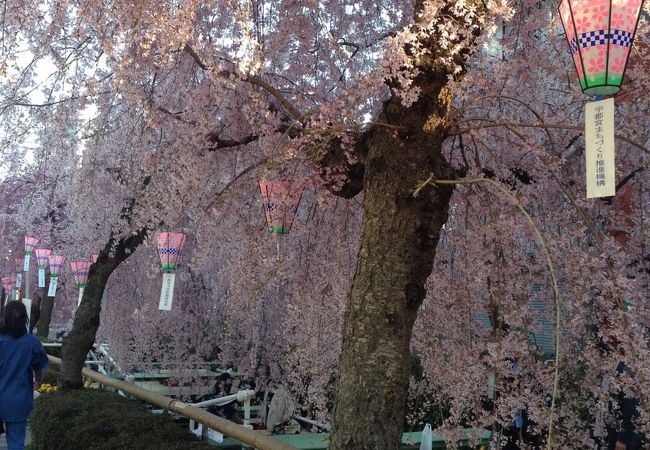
(54, 281)
(28, 304)
(167, 292)
(490, 386)
(26, 263)
(599, 148)
(81, 294)
(19, 280)
(41, 278)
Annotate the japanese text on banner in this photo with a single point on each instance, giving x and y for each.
(599, 148)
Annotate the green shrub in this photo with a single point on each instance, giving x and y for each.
(101, 420)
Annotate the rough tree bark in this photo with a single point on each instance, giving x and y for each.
(47, 304)
(399, 237)
(86, 321)
(398, 241)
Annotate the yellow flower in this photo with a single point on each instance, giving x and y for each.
(46, 388)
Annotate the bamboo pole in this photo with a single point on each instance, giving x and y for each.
(250, 437)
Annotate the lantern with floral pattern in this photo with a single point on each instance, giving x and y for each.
(170, 245)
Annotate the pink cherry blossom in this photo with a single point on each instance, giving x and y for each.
(148, 114)
(596, 65)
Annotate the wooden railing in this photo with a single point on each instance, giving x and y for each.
(242, 434)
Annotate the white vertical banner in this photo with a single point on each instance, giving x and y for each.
(26, 263)
(54, 282)
(599, 148)
(81, 294)
(19, 280)
(28, 304)
(167, 292)
(41, 278)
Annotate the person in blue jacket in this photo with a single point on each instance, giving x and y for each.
(22, 362)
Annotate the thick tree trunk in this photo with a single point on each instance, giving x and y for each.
(47, 304)
(399, 237)
(86, 321)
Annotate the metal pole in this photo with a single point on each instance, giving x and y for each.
(250, 437)
(27, 299)
(27, 284)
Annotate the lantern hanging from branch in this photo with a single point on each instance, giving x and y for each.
(280, 200)
(42, 255)
(80, 273)
(20, 264)
(30, 244)
(600, 35)
(56, 264)
(170, 245)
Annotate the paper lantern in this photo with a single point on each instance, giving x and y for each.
(80, 272)
(9, 284)
(600, 34)
(94, 257)
(56, 262)
(30, 244)
(280, 200)
(42, 255)
(169, 248)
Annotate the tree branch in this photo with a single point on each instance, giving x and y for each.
(293, 112)
(505, 124)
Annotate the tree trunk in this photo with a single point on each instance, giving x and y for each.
(86, 321)
(399, 236)
(47, 304)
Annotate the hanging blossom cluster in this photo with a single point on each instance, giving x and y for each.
(185, 124)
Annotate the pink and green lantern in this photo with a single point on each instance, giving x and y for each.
(56, 264)
(30, 245)
(80, 271)
(600, 34)
(170, 245)
(42, 256)
(280, 200)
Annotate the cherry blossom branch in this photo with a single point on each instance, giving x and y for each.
(239, 176)
(510, 126)
(599, 236)
(505, 124)
(549, 262)
(288, 106)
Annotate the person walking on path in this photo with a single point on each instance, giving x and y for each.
(22, 362)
